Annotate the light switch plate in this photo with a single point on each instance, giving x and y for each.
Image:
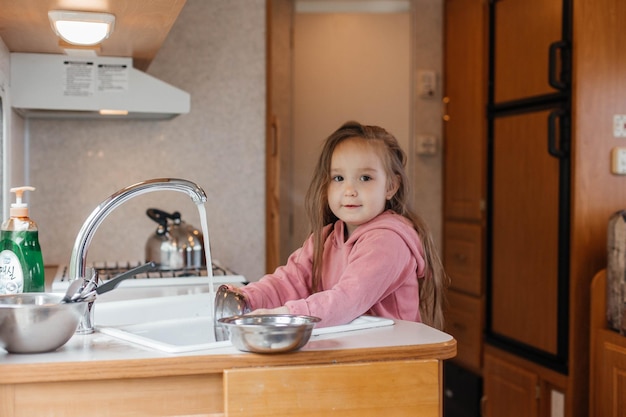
(557, 404)
(426, 145)
(619, 125)
(618, 160)
(426, 83)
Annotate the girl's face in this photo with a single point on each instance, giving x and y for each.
(358, 189)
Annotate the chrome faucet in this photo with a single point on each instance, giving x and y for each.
(78, 260)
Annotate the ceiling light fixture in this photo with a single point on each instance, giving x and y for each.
(81, 28)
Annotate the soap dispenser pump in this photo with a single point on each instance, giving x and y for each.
(21, 262)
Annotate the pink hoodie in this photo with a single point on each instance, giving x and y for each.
(374, 272)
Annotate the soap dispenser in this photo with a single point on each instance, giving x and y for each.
(21, 262)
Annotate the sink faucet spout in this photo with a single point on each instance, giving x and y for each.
(78, 261)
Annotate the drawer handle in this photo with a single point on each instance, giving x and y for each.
(460, 257)
(458, 326)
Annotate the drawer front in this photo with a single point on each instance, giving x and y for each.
(398, 388)
(465, 322)
(463, 257)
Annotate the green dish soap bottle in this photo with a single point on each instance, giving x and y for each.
(21, 262)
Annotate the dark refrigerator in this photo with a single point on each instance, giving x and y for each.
(529, 179)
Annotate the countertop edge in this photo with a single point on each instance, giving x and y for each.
(208, 364)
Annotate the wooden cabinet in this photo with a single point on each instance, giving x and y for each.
(465, 76)
(528, 178)
(597, 94)
(348, 389)
(515, 387)
(400, 388)
(608, 358)
(464, 320)
(465, 310)
(525, 29)
(396, 370)
(524, 254)
(463, 254)
(505, 385)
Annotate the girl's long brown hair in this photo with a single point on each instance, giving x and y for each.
(432, 286)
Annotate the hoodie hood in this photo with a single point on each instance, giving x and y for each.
(392, 221)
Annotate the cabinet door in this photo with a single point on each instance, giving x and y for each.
(611, 398)
(524, 232)
(463, 256)
(524, 31)
(509, 391)
(465, 77)
(396, 388)
(464, 321)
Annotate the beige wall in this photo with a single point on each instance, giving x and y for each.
(362, 66)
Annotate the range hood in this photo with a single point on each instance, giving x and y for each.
(66, 86)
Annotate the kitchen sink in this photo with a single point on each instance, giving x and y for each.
(182, 323)
(146, 310)
(179, 323)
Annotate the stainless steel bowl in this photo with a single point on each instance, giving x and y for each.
(269, 333)
(37, 322)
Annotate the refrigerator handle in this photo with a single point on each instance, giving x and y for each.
(553, 119)
(554, 79)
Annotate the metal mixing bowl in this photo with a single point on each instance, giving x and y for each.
(37, 322)
(269, 333)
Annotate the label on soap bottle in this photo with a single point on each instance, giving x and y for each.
(11, 274)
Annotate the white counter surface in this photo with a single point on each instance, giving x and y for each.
(101, 347)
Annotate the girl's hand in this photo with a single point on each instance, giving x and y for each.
(277, 310)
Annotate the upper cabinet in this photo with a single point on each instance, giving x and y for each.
(527, 48)
(465, 76)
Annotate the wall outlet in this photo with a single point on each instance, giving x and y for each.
(619, 125)
(426, 83)
(426, 145)
(618, 160)
(557, 404)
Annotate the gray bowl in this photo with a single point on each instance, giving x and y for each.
(269, 333)
(37, 322)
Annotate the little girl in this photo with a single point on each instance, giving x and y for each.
(368, 253)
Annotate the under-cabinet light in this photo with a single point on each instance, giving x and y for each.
(108, 112)
(81, 28)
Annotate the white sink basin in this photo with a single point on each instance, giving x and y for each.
(145, 310)
(181, 323)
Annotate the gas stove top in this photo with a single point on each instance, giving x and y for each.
(166, 277)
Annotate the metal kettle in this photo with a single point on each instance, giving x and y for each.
(175, 244)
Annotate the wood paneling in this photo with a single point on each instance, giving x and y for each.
(599, 89)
